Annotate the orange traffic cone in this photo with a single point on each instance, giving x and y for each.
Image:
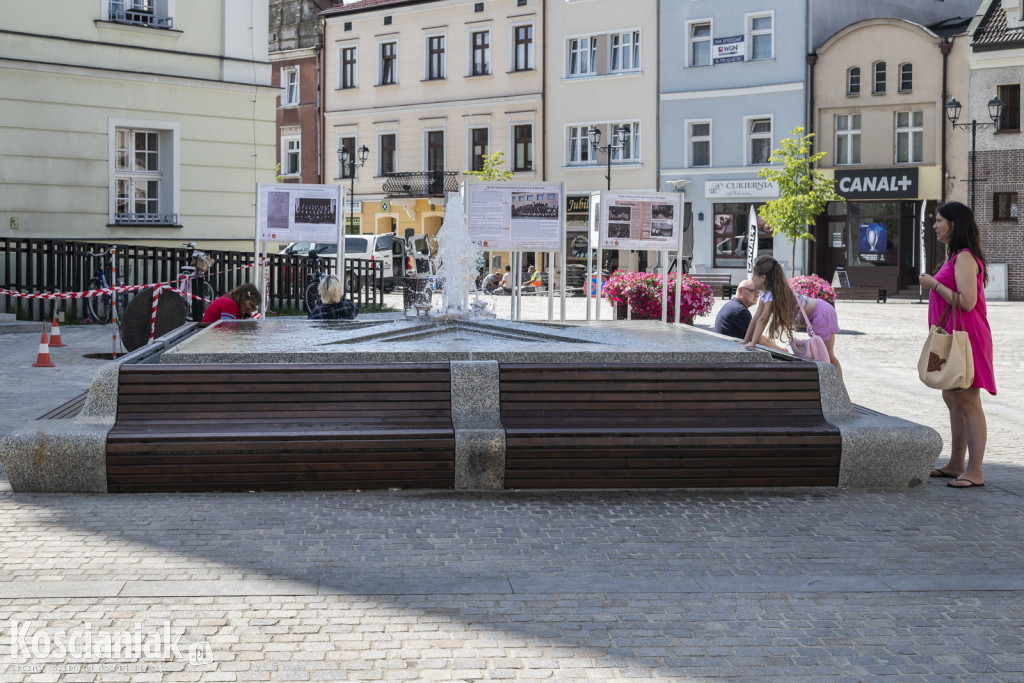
(43, 360)
(55, 342)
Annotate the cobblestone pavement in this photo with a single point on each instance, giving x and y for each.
(653, 585)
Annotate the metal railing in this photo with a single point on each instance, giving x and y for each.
(421, 183)
(34, 266)
(137, 18)
(133, 218)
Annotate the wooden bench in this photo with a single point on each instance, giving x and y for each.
(666, 425)
(713, 280)
(877, 294)
(281, 427)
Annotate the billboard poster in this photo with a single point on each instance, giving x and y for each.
(873, 242)
(503, 216)
(299, 213)
(728, 49)
(641, 221)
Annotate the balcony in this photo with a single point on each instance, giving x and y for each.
(141, 18)
(421, 183)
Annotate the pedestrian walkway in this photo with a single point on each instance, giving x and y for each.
(542, 586)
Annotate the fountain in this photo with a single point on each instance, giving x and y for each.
(525, 404)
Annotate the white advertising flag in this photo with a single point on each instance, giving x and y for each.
(751, 242)
(921, 270)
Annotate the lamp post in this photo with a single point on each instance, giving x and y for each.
(595, 138)
(347, 160)
(995, 110)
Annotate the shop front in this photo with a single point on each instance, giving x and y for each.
(730, 215)
(875, 234)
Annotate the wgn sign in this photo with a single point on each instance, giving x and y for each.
(880, 183)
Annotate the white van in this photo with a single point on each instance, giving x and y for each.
(388, 249)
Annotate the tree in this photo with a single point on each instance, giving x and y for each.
(803, 191)
(491, 171)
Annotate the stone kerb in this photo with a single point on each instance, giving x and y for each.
(879, 451)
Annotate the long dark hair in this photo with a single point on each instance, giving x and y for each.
(964, 232)
(783, 299)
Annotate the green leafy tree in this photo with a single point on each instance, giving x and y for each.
(491, 171)
(803, 191)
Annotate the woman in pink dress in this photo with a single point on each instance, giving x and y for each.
(960, 282)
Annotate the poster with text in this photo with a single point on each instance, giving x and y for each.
(299, 213)
(503, 216)
(641, 221)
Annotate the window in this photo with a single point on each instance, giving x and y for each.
(847, 139)
(759, 138)
(582, 56)
(478, 138)
(291, 156)
(906, 77)
(435, 58)
(700, 143)
(629, 142)
(700, 44)
(347, 72)
(522, 144)
(435, 150)
(388, 153)
(388, 67)
(290, 83)
(138, 157)
(347, 170)
(626, 51)
(730, 234)
(154, 13)
(522, 41)
(878, 87)
(853, 81)
(579, 145)
(1004, 206)
(481, 41)
(1009, 95)
(761, 34)
(909, 137)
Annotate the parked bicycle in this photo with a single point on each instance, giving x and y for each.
(312, 294)
(192, 281)
(101, 307)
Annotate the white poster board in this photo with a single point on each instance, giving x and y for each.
(299, 213)
(504, 216)
(641, 221)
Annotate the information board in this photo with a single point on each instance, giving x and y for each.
(641, 221)
(504, 216)
(299, 213)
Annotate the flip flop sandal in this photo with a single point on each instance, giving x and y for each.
(939, 474)
(970, 483)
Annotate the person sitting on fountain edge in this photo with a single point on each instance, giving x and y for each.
(334, 307)
(506, 281)
(734, 318)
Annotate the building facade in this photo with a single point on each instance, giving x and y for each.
(296, 54)
(134, 121)
(429, 88)
(997, 69)
(880, 117)
(601, 72)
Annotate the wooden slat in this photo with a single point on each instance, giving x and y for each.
(67, 410)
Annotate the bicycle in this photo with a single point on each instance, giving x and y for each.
(102, 306)
(195, 269)
(312, 293)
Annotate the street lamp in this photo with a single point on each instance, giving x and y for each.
(995, 110)
(595, 138)
(347, 160)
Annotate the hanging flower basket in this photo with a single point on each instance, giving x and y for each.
(641, 292)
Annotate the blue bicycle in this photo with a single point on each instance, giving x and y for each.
(101, 307)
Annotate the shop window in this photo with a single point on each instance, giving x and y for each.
(730, 235)
(1004, 206)
(874, 233)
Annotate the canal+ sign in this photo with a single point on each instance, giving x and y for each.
(877, 183)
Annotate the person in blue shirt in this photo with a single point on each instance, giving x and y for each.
(734, 318)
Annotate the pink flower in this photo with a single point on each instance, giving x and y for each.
(814, 287)
(642, 293)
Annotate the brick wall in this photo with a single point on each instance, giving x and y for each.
(1003, 241)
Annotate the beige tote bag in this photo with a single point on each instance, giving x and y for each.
(947, 361)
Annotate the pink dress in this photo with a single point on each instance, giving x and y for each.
(975, 323)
